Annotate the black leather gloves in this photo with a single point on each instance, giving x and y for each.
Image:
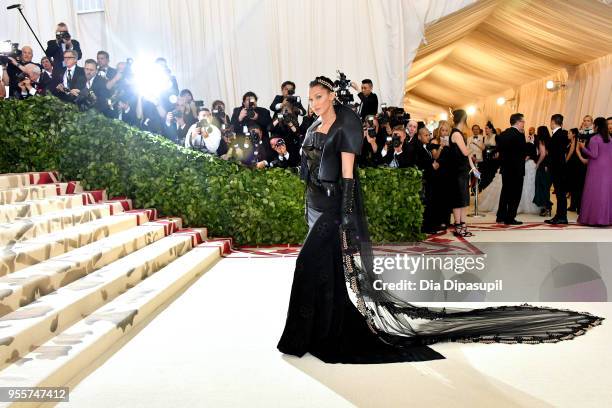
(349, 237)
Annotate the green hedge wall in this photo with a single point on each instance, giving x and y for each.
(252, 206)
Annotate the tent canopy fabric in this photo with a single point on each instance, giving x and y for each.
(493, 45)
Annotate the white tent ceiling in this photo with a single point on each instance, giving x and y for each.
(493, 45)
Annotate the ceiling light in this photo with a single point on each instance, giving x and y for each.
(471, 110)
(501, 100)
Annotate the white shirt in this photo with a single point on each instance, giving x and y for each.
(474, 149)
(90, 83)
(554, 130)
(71, 70)
(211, 142)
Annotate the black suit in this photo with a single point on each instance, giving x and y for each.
(279, 99)
(175, 133)
(558, 168)
(130, 117)
(424, 162)
(55, 52)
(512, 149)
(98, 87)
(369, 105)
(78, 81)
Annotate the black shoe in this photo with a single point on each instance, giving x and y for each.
(499, 220)
(556, 221)
(513, 222)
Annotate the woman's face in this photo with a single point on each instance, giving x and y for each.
(444, 131)
(320, 99)
(487, 131)
(587, 122)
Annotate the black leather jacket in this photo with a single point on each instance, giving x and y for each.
(345, 135)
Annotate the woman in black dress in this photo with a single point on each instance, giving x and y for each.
(378, 327)
(576, 170)
(462, 166)
(543, 179)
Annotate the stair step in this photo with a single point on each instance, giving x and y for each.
(13, 180)
(27, 228)
(23, 254)
(33, 208)
(57, 361)
(25, 286)
(33, 324)
(36, 192)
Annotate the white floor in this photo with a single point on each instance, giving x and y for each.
(215, 346)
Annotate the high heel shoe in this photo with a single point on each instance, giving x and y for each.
(545, 212)
(464, 231)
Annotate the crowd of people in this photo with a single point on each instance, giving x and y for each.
(514, 171)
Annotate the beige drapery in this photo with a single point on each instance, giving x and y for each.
(494, 48)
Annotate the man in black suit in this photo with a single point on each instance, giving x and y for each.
(249, 114)
(104, 69)
(394, 152)
(556, 156)
(97, 85)
(287, 89)
(63, 42)
(126, 111)
(68, 81)
(16, 68)
(369, 100)
(512, 148)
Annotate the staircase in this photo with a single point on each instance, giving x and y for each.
(79, 271)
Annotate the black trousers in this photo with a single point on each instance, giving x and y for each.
(559, 179)
(512, 187)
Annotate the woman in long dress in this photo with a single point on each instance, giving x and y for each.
(596, 207)
(543, 178)
(377, 327)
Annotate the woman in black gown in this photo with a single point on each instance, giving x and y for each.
(377, 327)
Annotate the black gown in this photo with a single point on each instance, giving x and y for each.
(378, 327)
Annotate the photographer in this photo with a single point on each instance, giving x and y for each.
(69, 80)
(46, 75)
(220, 118)
(285, 125)
(150, 114)
(30, 84)
(164, 98)
(186, 104)
(175, 128)
(287, 96)
(16, 69)
(284, 160)
(393, 153)
(104, 69)
(369, 100)
(62, 42)
(125, 112)
(203, 135)
(374, 138)
(95, 92)
(249, 114)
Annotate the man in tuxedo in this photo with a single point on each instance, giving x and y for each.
(175, 128)
(287, 89)
(395, 153)
(104, 69)
(285, 158)
(556, 156)
(16, 68)
(249, 114)
(68, 81)
(512, 148)
(97, 85)
(126, 112)
(425, 162)
(46, 75)
(30, 85)
(63, 42)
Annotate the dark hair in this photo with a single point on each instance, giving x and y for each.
(477, 125)
(574, 131)
(609, 118)
(459, 116)
(602, 128)
(248, 95)
(515, 117)
(557, 118)
(367, 81)
(103, 53)
(324, 82)
(44, 58)
(490, 126)
(284, 84)
(186, 92)
(203, 109)
(542, 135)
(218, 102)
(91, 61)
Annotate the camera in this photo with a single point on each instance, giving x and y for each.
(343, 94)
(287, 117)
(9, 50)
(205, 124)
(250, 108)
(370, 126)
(62, 35)
(394, 140)
(85, 100)
(398, 117)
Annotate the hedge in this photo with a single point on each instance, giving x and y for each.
(252, 206)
